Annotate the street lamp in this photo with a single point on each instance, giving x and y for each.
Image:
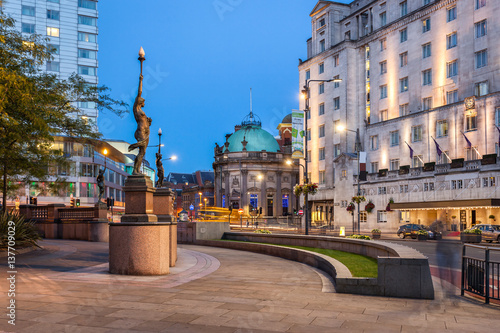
(105, 152)
(357, 148)
(305, 95)
(173, 158)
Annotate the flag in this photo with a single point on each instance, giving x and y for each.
(411, 150)
(438, 149)
(362, 165)
(469, 144)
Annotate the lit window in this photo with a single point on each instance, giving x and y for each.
(451, 40)
(53, 14)
(426, 25)
(404, 109)
(86, 70)
(471, 122)
(321, 69)
(383, 67)
(321, 154)
(87, 20)
(383, 91)
(87, 37)
(336, 103)
(403, 35)
(382, 214)
(322, 131)
(481, 88)
(383, 44)
(441, 128)
(426, 103)
(451, 14)
(52, 66)
(374, 142)
(451, 97)
(480, 29)
(427, 77)
(416, 133)
(426, 50)
(28, 10)
(28, 28)
(394, 164)
(87, 4)
(53, 32)
(321, 88)
(480, 3)
(394, 138)
(451, 69)
(403, 59)
(403, 84)
(87, 54)
(481, 58)
(403, 8)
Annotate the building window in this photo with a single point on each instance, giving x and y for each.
(336, 150)
(451, 40)
(363, 216)
(87, 20)
(417, 161)
(308, 134)
(383, 44)
(28, 10)
(336, 103)
(383, 19)
(309, 158)
(404, 109)
(403, 8)
(394, 164)
(427, 77)
(322, 179)
(321, 154)
(383, 115)
(480, 3)
(403, 84)
(383, 67)
(87, 37)
(453, 185)
(471, 154)
(374, 142)
(308, 74)
(442, 159)
(492, 181)
(497, 116)
(403, 188)
(336, 60)
(452, 97)
(382, 214)
(416, 133)
(451, 14)
(87, 4)
(481, 88)
(471, 122)
(394, 138)
(403, 35)
(426, 50)
(336, 84)
(426, 103)
(322, 46)
(441, 128)
(426, 25)
(382, 190)
(336, 124)
(28, 28)
(53, 32)
(403, 59)
(87, 54)
(481, 58)
(53, 48)
(321, 88)
(86, 70)
(52, 14)
(308, 115)
(383, 91)
(321, 22)
(480, 29)
(53, 66)
(451, 69)
(374, 167)
(321, 68)
(254, 200)
(322, 131)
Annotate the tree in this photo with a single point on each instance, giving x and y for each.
(36, 106)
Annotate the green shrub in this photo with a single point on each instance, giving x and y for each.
(422, 232)
(359, 237)
(376, 231)
(262, 231)
(25, 233)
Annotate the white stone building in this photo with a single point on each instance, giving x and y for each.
(407, 69)
(71, 26)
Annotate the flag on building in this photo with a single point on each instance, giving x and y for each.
(438, 149)
(297, 134)
(469, 144)
(411, 150)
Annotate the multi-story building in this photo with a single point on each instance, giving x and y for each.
(71, 26)
(420, 82)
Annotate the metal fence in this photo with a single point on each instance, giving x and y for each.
(481, 276)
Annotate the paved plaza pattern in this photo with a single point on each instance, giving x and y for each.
(65, 288)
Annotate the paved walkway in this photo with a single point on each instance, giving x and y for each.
(65, 288)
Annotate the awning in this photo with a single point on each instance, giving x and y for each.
(449, 204)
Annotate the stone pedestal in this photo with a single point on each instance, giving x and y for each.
(139, 245)
(163, 208)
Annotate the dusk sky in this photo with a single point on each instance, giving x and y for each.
(202, 57)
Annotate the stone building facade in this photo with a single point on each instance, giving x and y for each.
(251, 170)
(418, 78)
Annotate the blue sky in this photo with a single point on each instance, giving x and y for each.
(202, 56)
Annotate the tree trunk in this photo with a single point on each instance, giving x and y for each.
(4, 191)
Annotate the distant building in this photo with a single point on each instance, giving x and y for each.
(188, 187)
(250, 169)
(412, 72)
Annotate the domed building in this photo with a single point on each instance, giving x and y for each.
(251, 170)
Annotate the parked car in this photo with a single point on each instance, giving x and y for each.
(490, 232)
(411, 230)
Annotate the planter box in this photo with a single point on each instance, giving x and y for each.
(489, 159)
(457, 163)
(376, 236)
(429, 166)
(422, 237)
(405, 169)
(470, 238)
(382, 172)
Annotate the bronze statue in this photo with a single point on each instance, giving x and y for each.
(100, 183)
(159, 168)
(143, 124)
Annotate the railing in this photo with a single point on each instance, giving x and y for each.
(442, 168)
(40, 213)
(77, 213)
(472, 165)
(481, 276)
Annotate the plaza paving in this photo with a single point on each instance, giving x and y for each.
(65, 288)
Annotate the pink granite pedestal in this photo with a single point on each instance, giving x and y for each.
(163, 208)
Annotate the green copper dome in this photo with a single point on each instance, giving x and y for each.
(257, 139)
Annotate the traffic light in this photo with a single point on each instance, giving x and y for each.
(77, 202)
(72, 202)
(110, 202)
(33, 201)
(230, 209)
(260, 210)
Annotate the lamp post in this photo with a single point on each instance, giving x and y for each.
(357, 148)
(290, 162)
(199, 204)
(159, 141)
(305, 95)
(105, 153)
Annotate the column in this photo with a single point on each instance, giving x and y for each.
(244, 188)
(263, 192)
(278, 206)
(227, 190)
